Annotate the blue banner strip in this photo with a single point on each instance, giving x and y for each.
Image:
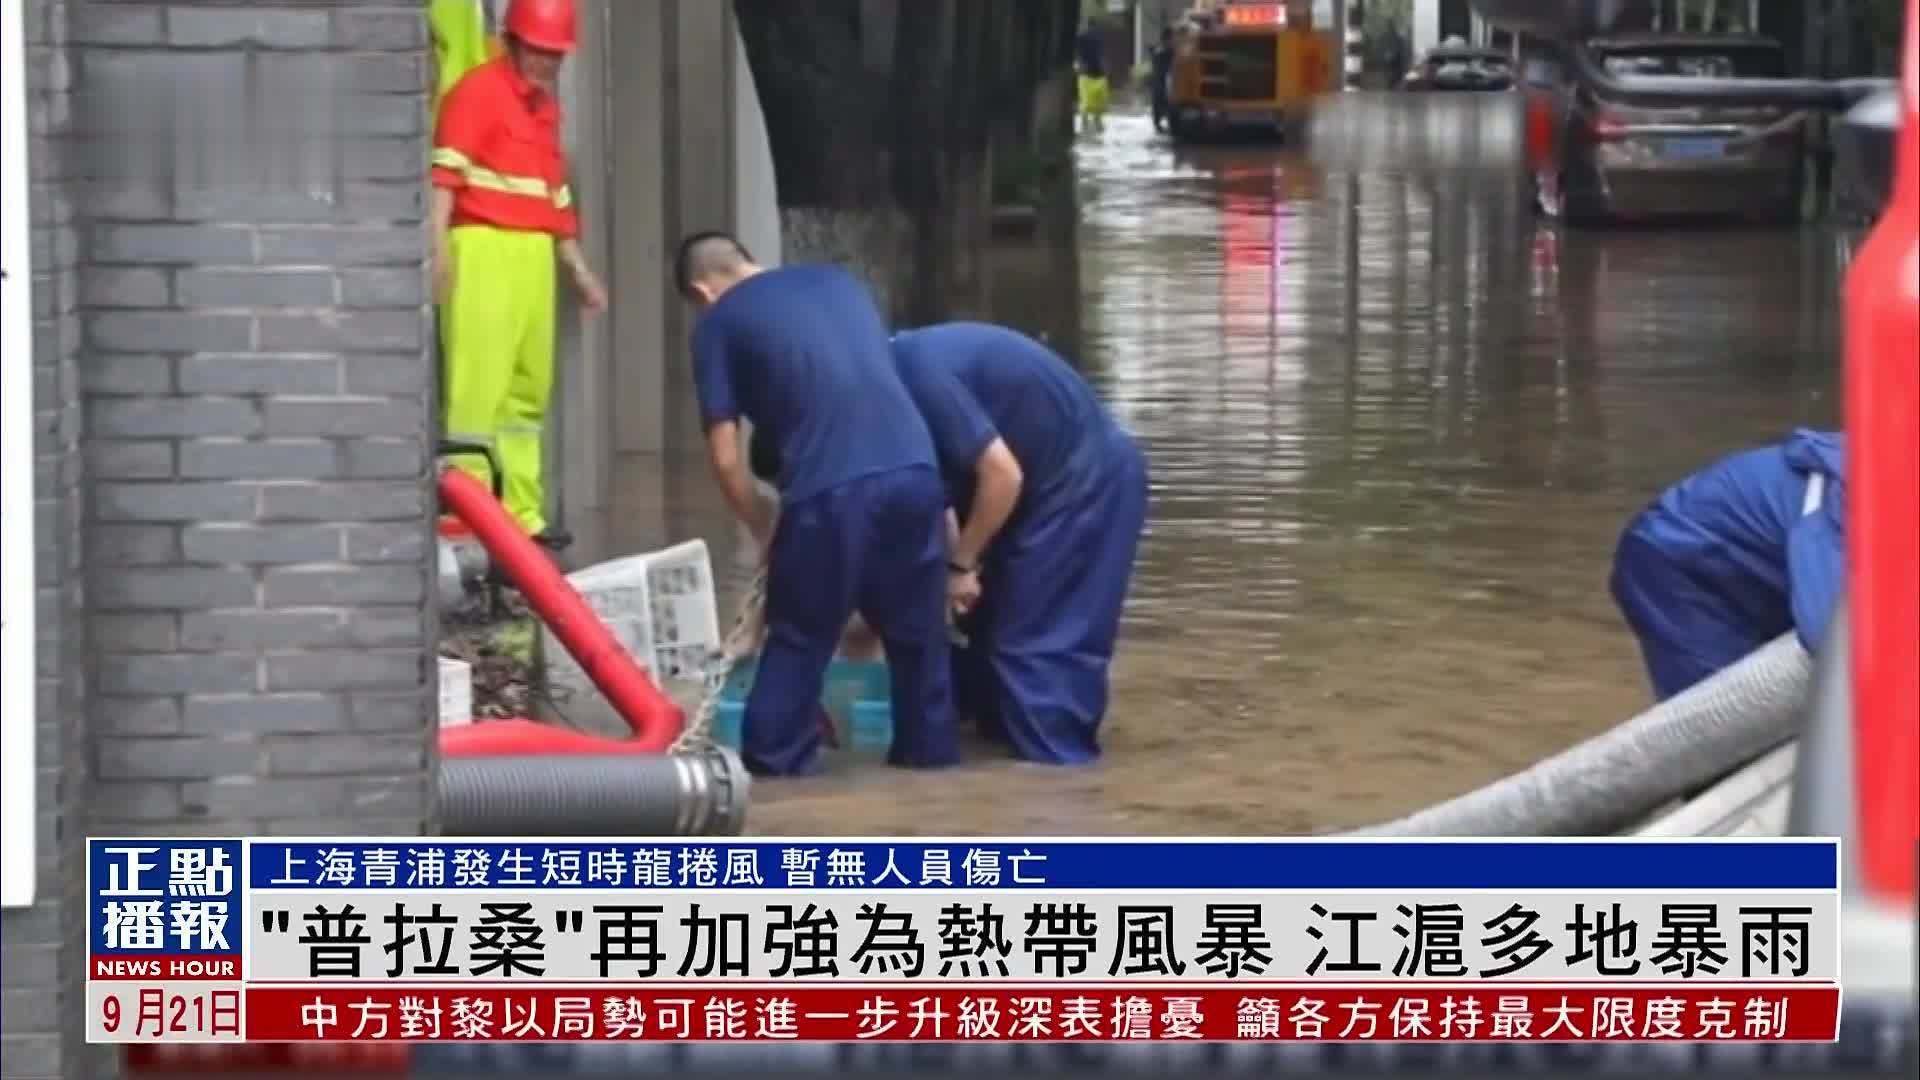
(1048, 865)
(165, 897)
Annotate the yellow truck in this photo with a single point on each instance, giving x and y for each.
(1250, 67)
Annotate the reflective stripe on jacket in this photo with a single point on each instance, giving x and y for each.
(497, 145)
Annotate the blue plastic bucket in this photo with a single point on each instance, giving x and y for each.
(857, 695)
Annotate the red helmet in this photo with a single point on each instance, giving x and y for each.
(542, 24)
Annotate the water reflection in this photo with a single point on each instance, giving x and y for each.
(1394, 431)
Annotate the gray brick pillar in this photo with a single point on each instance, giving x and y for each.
(258, 415)
(234, 444)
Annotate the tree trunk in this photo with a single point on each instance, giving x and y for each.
(883, 116)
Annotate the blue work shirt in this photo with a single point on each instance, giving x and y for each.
(1748, 526)
(802, 352)
(1090, 50)
(974, 382)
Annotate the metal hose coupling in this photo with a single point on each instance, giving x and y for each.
(693, 793)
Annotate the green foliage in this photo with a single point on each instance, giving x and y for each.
(1886, 20)
(1024, 177)
(1384, 13)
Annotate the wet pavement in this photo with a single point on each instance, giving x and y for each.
(1394, 430)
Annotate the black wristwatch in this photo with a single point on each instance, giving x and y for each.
(959, 568)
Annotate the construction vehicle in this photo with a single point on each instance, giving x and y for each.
(1249, 67)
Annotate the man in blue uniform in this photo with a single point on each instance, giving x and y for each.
(1050, 496)
(802, 353)
(1162, 89)
(1734, 556)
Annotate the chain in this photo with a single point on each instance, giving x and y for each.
(741, 641)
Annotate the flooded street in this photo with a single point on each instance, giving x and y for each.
(1394, 431)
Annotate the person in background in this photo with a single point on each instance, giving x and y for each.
(460, 43)
(1734, 556)
(458, 30)
(1393, 55)
(801, 352)
(502, 214)
(1541, 87)
(1162, 75)
(1049, 497)
(1090, 61)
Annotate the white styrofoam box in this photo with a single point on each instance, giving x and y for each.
(456, 692)
(660, 606)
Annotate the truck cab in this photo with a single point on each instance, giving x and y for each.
(1249, 67)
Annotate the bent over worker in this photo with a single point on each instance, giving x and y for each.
(1051, 497)
(802, 353)
(502, 214)
(1734, 556)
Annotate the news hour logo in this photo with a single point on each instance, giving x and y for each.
(413, 941)
(163, 910)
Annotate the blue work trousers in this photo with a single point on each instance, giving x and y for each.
(876, 545)
(1688, 629)
(1034, 672)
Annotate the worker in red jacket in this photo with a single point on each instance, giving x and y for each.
(503, 215)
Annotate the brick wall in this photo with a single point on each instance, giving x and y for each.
(233, 395)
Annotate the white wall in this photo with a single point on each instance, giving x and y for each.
(580, 433)
(756, 195)
(1425, 33)
(755, 190)
(18, 672)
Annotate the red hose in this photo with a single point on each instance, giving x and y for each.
(517, 738)
(1883, 515)
(655, 719)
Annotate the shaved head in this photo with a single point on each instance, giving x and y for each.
(708, 262)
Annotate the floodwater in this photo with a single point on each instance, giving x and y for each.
(1394, 430)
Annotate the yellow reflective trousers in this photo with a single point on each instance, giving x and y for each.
(1094, 91)
(496, 344)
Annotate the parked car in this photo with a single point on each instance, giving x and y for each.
(1674, 153)
(1460, 67)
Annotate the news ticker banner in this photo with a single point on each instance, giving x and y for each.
(424, 941)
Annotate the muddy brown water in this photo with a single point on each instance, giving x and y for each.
(1394, 430)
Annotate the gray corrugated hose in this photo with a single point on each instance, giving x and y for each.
(1672, 749)
(702, 793)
